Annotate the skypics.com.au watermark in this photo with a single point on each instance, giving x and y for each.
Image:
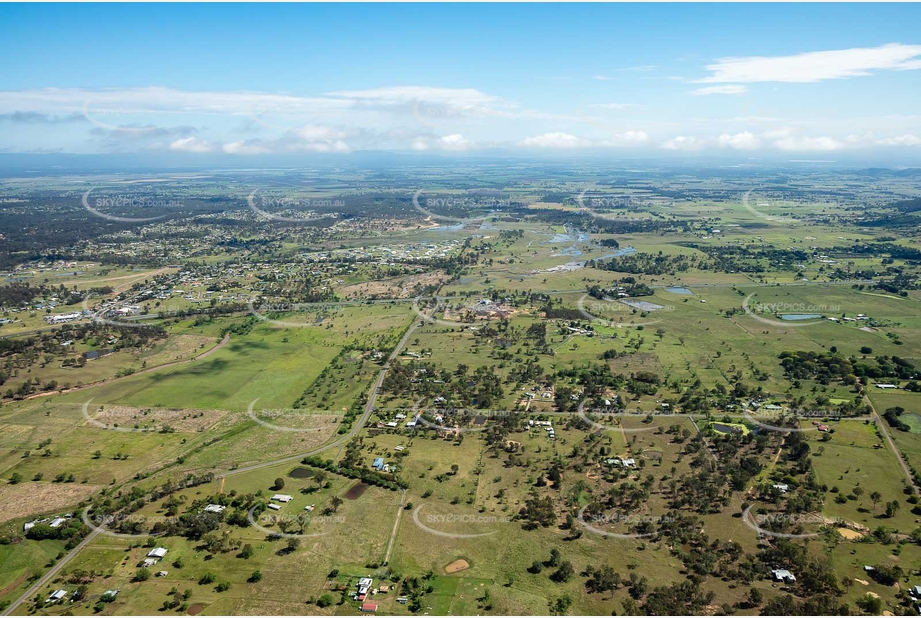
(615, 413)
(295, 414)
(99, 204)
(467, 202)
(792, 416)
(757, 522)
(593, 520)
(592, 309)
(288, 522)
(310, 207)
(260, 308)
(113, 418)
(104, 522)
(464, 520)
(798, 314)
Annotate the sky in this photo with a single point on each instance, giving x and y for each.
(241, 81)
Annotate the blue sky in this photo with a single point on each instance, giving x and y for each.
(248, 80)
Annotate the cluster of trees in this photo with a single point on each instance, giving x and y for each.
(829, 366)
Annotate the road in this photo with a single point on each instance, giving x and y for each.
(884, 429)
(356, 427)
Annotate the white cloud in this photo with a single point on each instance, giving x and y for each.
(625, 138)
(804, 143)
(602, 78)
(728, 89)
(191, 144)
(815, 66)
(903, 140)
(685, 143)
(245, 148)
(740, 141)
(455, 142)
(311, 133)
(556, 139)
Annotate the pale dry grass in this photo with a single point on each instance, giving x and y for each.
(29, 498)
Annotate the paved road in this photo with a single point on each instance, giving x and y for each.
(356, 427)
(47, 577)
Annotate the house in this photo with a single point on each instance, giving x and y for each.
(915, 591)
(391, 424)
(886, 386)
(399, 449)
(385, 588)
(158, 553)
(215, 508)
(378, 463)
(110, 595)
(162, 573)
(56, 522)
(364, 585)
(282, 498)
(822, 427)
(273, 506)
(781, 487)
(149, 562)
(783, 575)
(56, 596)
(369, 607)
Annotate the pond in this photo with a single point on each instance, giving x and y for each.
(684, 291)
(790, 317)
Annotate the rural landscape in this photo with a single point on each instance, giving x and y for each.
(447, 309)
(644, 393)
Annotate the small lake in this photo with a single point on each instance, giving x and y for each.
(684, 291)
(792, 317)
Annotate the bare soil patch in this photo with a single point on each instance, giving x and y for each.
(457, 566)
(195, 609)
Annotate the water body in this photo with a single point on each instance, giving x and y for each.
(570, 252)
(447, 228)
(683, 291)
(792, 317)
(619, 253)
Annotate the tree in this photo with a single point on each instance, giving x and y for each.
(142, 575)
(335, 502)
(279, 484)
(555, 556)
(247, 552)
(255, 577)
(564, 573)
(892, 508)
(15, 478)
(875, 497)
(755, 598)
(325, 601)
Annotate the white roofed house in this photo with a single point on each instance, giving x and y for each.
(282, 498)
(159, 553)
